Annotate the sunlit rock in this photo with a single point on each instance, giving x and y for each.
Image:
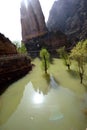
(32, 20)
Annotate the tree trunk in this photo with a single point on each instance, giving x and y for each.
(81, 78)
(45, 65)
(68, 66)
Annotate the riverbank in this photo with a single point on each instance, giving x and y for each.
(12, 68)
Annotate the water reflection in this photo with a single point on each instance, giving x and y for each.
(44, 87)
(38, 98)
(53, 83)
(48, 82)
(59, 108)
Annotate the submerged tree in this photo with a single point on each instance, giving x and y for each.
(65, 56)
(79, 54)
(45, 57)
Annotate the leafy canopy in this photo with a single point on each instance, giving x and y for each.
(45, 56)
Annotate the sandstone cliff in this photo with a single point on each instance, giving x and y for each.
(12, 68)
(32, 20)
(34, 32)
(51, 41)
(12, 65)
(6, 46)
(70, 17)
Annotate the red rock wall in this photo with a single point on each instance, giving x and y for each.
(12, 68)
(32, 20)
(6, 47)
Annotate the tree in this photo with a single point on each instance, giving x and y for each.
(20, 47)
(65, 56)
(45, 57)
(79, 54)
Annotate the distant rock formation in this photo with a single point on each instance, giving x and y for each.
(32, 20)
(35, 34)
(51, 41)
(70, 17)
(6, 46)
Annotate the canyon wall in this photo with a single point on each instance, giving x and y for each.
(32, 20)
(70, 17)
(6, 46)
(35, 34)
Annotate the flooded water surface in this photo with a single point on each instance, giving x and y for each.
(22, 107)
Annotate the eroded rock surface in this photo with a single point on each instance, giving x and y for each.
(6, 46)
(32, 20)
(70, 17)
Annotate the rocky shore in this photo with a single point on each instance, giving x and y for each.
(12, 64)
(12, 68)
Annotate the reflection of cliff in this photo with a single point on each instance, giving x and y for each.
(44, 84)
(44, 87)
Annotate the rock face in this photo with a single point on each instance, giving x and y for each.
(6, 46)
(70, 17)
(12, 65)
(34, 31)
(32, 20)
(12, 68)
(51, 41)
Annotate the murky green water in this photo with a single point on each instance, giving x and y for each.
(22, 107)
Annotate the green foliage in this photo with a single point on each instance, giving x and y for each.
(20, 47)
(65, 56)
(45, 57)
(62, 52)
(79, 53)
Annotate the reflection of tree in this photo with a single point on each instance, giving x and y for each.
(47, 78)
(47, 82)
(42, 86)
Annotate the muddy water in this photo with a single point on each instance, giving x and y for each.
(24, 108)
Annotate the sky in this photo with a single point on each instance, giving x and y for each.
(10, 17)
